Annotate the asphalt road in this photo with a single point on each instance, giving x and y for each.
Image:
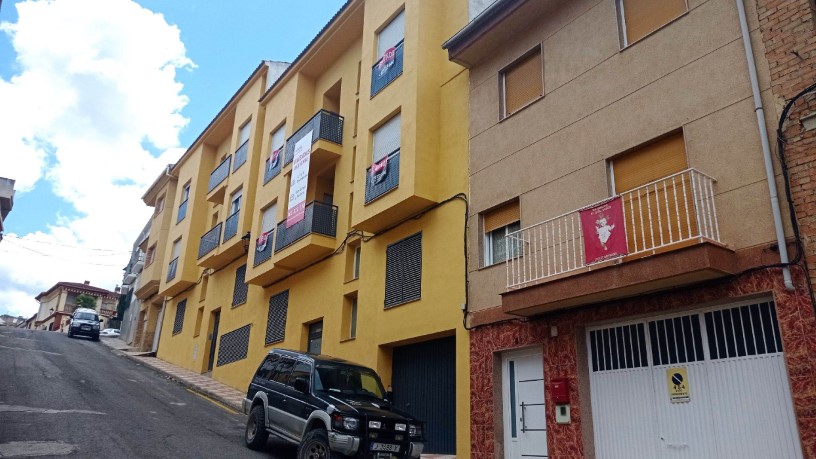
(64, 397)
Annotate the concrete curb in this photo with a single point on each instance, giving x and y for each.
(215, 392)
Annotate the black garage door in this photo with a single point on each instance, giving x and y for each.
(424, 384)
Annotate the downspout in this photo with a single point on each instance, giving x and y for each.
(766, 148)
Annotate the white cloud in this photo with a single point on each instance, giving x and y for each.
(95, 84)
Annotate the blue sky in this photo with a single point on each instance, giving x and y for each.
(173, 71)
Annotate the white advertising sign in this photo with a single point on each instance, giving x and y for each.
(300, 178)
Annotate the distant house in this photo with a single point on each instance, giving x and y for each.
(10, 321)
(58, 302)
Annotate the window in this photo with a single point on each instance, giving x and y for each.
(672, 197)
(276, 319)
(176, 248)
(301, 370)
(233, 346)
(151, 254)
(522, 82)
(241, 288)
(387, 139)
(353, 318)
(178, 323)
(276, 146)
(268, 367)
(356, 266)
(268, 218)
(235, 202)
(639, 18)
(182, 209)
(282, 370)
(391, 34)
(244, 134)
(159, 205)
(199, 319)
(403, 271)
(498, 223)
(315, 338)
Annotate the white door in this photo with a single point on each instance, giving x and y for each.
(525, 426)
(711, 383)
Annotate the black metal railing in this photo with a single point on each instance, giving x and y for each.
(182, 211)
(231, 225)
(383, 76)
(379, 185)
(171, 269)
(220, 173)
(264, 252)
(319, 217)
(210, 240)
(240, 156)
(324, 125)
(271, 171)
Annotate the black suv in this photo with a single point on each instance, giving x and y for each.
(84, 322)
(330, 407)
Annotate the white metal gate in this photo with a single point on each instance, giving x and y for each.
(706, 384)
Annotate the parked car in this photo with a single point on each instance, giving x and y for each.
(330, 407)
(109, 332)
(84, 322)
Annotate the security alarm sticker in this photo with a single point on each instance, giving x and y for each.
(679, 389)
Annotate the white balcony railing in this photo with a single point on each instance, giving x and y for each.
(672, 210)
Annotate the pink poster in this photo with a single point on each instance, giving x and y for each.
(604, 231)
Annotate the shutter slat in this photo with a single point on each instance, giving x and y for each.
(276, 319)
(502, 216)
(651, 162)
(645, 16)
(403, 271)
(523, 82)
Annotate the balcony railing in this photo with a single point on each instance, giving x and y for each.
(324, 125)
(231, 226)
(240, 156)
(319, 218)
(182, 211)
(668, 211)
(383, 76)
(270, 171)
(264, 252)
(171, 269)
(376, 187)
(209, 241)
(220, 173)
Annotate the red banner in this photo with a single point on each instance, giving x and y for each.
(604, 231)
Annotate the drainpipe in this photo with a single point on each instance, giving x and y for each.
(766, 148)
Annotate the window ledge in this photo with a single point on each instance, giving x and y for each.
(345, 340)
(393, 306)
(523, 107)
(487, 267)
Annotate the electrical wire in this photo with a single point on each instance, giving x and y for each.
(12, 236)
(61, 258)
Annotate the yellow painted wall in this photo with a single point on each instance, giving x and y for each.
(432, 95)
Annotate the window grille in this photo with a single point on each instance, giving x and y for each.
(240, 289)
(233, 346)
(178, 323)
(276, 319)
(403, 271)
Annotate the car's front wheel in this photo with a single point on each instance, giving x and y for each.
(256, 433)
(315, 445)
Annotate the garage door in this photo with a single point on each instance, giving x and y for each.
(424, 384)
(708, 384)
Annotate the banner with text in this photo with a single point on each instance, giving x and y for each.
(300, 178)
(604, 231)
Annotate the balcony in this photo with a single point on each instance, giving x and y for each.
(231, 226)
(217, 177)
(182, 211)
(171, 269)
(271, 171)
(379, 185)
(672, 239)
(264, 252)
(327, 138)
(307, 239)
(209, 241)
(240, 156)
(382, 76)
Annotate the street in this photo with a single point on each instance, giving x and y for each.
(79, 398)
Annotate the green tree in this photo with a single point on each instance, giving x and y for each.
(85, 301)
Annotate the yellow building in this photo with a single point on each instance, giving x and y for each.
(323, 210)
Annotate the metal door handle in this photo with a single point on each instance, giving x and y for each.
(523, 426)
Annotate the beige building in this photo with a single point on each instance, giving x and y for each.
(624, 235)
(58, 303)
(6, 200)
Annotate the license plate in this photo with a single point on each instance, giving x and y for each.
(385, 447)
(85, 327)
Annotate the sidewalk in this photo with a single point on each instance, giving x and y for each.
(202, 384)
